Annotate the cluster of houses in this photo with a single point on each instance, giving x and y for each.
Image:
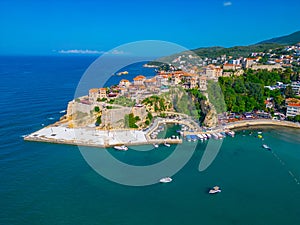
(227, 65)
(141, 87)
(210, 69)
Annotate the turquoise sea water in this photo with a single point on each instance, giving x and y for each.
(44, 183)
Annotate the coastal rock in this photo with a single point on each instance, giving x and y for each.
(211, 118)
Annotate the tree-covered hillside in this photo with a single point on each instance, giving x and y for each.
(286, 40)
(246, 93)
(237, 51)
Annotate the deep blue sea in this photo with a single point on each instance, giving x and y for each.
(46, 184)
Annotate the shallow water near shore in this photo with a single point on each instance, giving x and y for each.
(45, 183)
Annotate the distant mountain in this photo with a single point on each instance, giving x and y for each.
(285, 40)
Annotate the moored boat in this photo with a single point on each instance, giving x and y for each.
(230, 133)
(167, 144)
(165, 180)
(200, 136)
(208, 135)
(194, 138)
(121, 148)
(188, 138)
(220, 136)
(215, 136)
(155, 145)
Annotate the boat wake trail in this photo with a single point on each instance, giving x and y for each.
(284, 165)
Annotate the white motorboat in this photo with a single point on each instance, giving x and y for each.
(220, 136)
(208, 135)
(215, 136)
(230, 133)
(167, 144)
(165, 180)
(200, 136)
(121, 148)
(155, 145)
(215, 190)
(266, 147)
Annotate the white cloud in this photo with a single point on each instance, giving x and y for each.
(80, 51)
(227, 4)
(116, 52)
(88, 51)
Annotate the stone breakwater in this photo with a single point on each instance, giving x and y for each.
(93, 137)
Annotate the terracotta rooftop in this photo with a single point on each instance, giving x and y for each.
(294, 104)
(93, 90)
(139, 77)
(152, 80)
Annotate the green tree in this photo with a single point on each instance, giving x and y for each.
(98, 121)
(149, 116)
(297, 118)
(288, 92)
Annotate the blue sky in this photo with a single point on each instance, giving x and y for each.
(46, 27)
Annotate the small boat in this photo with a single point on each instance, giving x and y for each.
(208, 135)
(194, 138)
(223, 134)
(259, 136)
(121, 148)
(259, 132)
(188, 138)
(155, 145)
(166, 144)
(205, 136)
(122, 73)
(215, 190)
(220, 136)
(165, 180)
(215, 136)
(231, 133)
(200, 136)
(266, 147)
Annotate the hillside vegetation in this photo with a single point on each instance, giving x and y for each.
(285, 40)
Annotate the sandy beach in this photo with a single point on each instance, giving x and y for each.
(260, 122)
